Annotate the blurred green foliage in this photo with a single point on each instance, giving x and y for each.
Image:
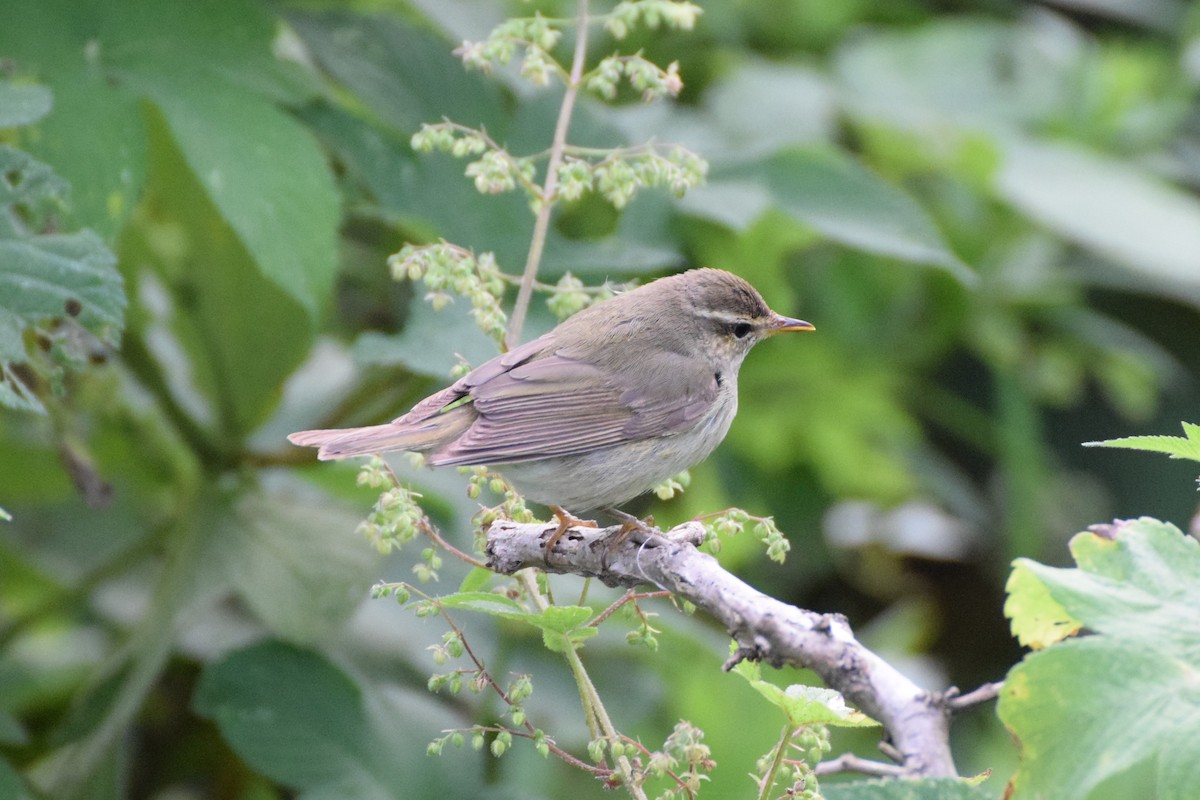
(988, 209)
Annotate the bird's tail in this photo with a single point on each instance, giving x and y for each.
(344, 442)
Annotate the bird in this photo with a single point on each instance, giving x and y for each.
(617, 398)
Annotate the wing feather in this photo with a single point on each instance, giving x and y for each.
(539, 409)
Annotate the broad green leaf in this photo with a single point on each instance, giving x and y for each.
(832, 193)
(292, 715)
(243, 334)
(1186, 446)
(907, 789)
(266, 176)
(1133, 680)
(299, 565)
(1106, 205)
(23, 104)
(804, 705)
(402, 73)
(297, 718)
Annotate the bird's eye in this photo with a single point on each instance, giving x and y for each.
(741, 329)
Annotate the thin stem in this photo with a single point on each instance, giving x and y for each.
(593, 705)
(768, 781)
(541, 224)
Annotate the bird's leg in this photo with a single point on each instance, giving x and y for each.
(565, 520)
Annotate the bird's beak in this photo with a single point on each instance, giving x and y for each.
(780, 324)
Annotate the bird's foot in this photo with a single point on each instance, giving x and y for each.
(566, 520)
(629, 526)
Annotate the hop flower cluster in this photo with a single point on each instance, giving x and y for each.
(396, 517)
(651, 80)
(445, 269)
(734, 521)
(627, 14)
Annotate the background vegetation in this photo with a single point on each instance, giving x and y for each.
(987, 208)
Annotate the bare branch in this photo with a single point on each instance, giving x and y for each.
(765, 629)
(956, 702)
(848, 762)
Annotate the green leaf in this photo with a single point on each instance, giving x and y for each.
(296, 718)
(267, 178)
(299, 565)
(1186, 446)
(403, 73)
(23, 104)
(476, 579)
(291, 715)
(46, 277)
(563, 627)
(835, 195)
(1106, 205)
(1133, 680)
(804, 705)
(1037, 619)
(907, 789)
(225, 313)
(92, 113)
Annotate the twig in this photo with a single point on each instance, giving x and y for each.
(848, 762)
(541, 224)
(765, 629)
(956, 702)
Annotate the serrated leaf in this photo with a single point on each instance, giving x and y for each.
(827, 190)
(1186, 446)
(23, 104)
(1134, 679)
(802, 704)
(1037, 620)
(46, 277)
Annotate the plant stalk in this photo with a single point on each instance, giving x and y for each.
(541, 224)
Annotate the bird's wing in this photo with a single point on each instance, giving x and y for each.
(555, 404)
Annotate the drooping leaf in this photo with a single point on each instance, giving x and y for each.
(268, 179)
(225, 314)
(1133, 680)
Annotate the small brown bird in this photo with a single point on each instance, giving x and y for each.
(613, 401)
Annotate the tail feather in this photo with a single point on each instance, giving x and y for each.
(344, 442)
